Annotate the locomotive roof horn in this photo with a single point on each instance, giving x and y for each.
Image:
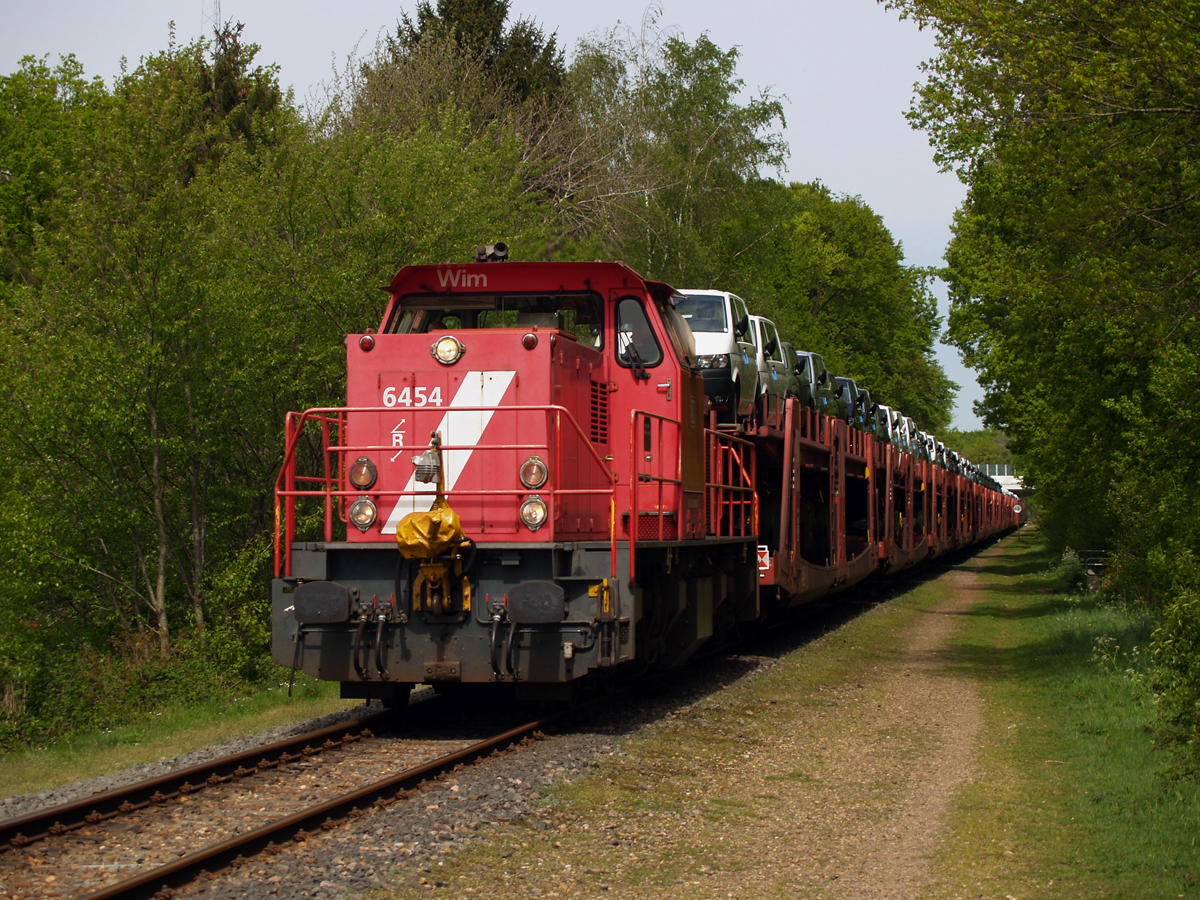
(497, 252)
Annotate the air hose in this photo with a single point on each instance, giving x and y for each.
(380, 622)
(508, 649)
(494, 645)
(356, 648)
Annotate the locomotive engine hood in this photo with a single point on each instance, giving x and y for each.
(513, 365)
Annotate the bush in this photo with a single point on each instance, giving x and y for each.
(73, 690)
(1177, 676)
(1072, 572)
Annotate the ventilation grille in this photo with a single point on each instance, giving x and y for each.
(599, 432)
(648, 525)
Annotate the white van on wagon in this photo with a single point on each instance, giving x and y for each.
(725, 354)
(772, 367)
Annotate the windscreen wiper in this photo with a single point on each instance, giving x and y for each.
(635, 362)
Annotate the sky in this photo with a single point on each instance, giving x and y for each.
(844, 69)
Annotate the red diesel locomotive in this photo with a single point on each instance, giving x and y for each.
(526, 486)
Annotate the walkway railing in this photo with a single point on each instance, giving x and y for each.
(333, 488)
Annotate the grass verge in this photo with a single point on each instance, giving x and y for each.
(165, 734)
(1073, 799)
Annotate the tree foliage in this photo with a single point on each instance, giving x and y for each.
(985, 446)
(41, 108)
(676, 154)
(836, 282)
(1073, 276)
(519, 57)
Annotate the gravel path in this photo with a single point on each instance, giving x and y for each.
(893, 843)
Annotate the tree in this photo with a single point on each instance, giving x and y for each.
(462, 53)
(521, 58)
(241, 99)
(499, 79)
(835, 281)
(676, 155)
(1073, 280)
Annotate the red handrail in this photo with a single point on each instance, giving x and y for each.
(727, 457)
(637, 477)
(287, 483)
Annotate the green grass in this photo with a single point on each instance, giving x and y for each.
(1074, 799)
(164, 734)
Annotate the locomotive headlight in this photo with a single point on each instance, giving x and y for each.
(428, 464)
(447, 350)
(363, 513)
(534, 512)
(363, 474)
(717, 361)
(534, 473)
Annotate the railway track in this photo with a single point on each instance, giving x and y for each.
(151, 839)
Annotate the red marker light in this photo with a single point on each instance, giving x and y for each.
(529, 341)
(366, 342)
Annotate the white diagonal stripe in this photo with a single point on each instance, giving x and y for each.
(461, 427)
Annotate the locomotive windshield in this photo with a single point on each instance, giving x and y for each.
(581, 315)
(677, 329)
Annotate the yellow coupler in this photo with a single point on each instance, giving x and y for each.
(432, 537)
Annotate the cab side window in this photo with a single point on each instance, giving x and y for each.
(636, 345)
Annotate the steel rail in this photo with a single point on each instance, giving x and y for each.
(57, 820)
(163, 881)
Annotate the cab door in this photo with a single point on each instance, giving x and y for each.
(691, 405)
(645, 399)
